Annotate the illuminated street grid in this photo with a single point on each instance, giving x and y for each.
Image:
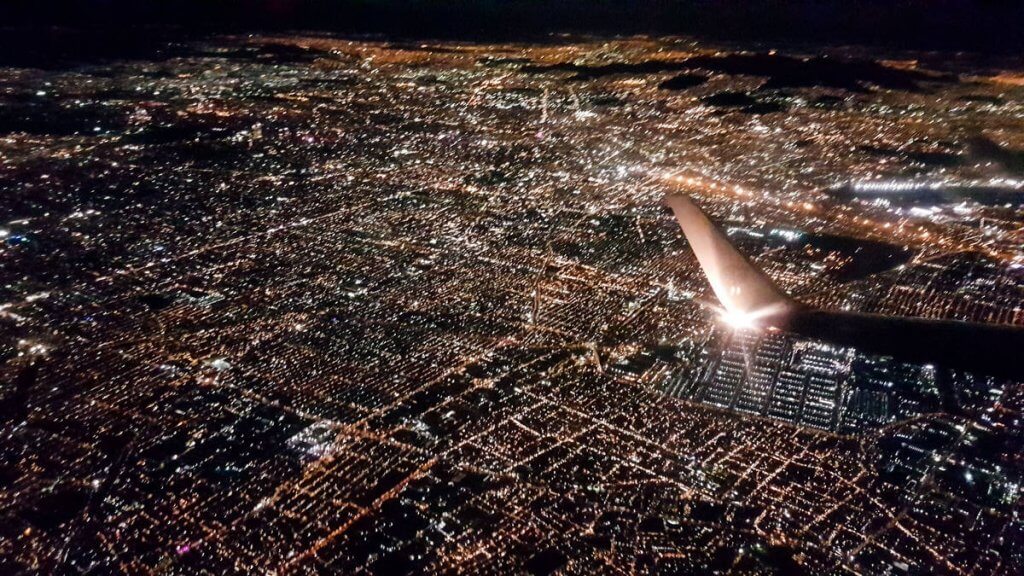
(309, 305)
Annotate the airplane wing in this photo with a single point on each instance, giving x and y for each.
(748, 296)
(743, 290)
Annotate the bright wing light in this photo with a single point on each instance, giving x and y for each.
(738, 321)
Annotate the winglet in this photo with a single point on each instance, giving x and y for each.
(745, 292)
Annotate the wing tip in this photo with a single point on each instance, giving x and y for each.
(674, 199)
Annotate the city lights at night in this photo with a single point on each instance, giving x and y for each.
(299, 299)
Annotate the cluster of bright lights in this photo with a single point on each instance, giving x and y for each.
(892, 186)
(32, 348)
(706, 183)
(911, 186)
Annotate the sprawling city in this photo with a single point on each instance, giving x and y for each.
(321, 304)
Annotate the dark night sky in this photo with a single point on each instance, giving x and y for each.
(114, 25)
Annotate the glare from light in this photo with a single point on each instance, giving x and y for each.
(738, 320)
(749, 320)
